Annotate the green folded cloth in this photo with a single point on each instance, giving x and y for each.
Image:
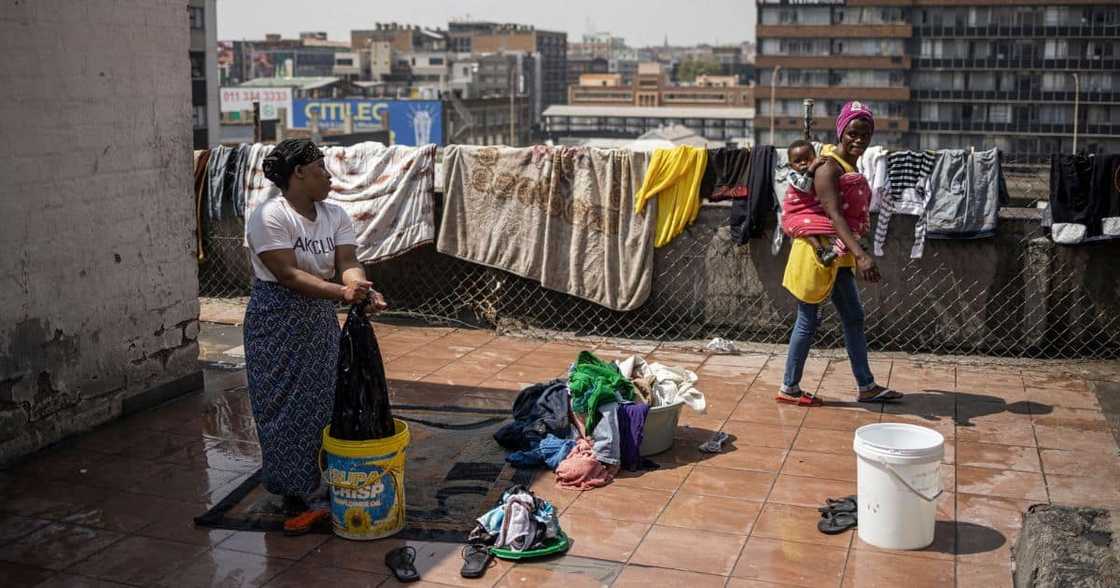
(594, 382)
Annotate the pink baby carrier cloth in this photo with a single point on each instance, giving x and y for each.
(803, 215)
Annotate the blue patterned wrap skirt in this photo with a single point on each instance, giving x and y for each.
(291, 357)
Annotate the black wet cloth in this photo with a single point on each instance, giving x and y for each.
(725, 176)
(1072, 199)
(361, 400)
(749, 214)
(1105, 186)
(538, 410)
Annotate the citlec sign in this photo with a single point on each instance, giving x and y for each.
(410, 122)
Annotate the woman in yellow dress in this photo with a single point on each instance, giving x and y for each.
(811, 282)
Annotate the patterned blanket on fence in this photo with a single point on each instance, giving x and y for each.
(387, 191)
(561, 216)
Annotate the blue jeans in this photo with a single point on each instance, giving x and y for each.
(845, 297)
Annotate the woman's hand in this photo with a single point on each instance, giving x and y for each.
(356, 291)
(377, 302)
(867, 268)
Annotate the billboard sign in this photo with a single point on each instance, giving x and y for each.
(271, 99)
(410, 122)
(803, 2)
(416, 122)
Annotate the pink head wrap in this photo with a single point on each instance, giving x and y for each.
(852, 111)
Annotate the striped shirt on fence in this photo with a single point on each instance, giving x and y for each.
(906, 173)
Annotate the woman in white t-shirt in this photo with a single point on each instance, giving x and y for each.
(298, 243)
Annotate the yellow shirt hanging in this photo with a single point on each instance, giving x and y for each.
(674, 178)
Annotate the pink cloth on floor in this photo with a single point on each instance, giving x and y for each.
(803, 215)
(581, 471)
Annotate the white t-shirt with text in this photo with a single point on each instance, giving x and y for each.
(276, 225)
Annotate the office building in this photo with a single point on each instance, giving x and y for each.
(604, 45)
(486, 121)
(204, 72)
(1014, 77)
(939, 74)
(831, 54)
(490, 37)
(577, 66)
(719, 124)
(311, 55)
(651, 87)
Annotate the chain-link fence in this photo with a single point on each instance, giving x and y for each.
(1015, 294)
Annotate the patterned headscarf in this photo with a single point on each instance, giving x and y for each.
(850, 112)
(279, 164)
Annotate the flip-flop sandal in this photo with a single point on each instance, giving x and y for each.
(884, 395)
(402, 561)
(834, 505)
(802, 400)
(834, 523)
(476, 559)
(303, 523)
(715, 444)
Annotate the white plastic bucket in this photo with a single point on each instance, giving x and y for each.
(660, 429)
(899, 480)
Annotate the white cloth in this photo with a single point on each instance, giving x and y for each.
(1068, 233)
(1110, 226)
(276, 225)
(671, 384)
(388, 193)
(873, 165)
(519, 528)
(259, 189)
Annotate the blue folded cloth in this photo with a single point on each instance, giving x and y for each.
(549, 452)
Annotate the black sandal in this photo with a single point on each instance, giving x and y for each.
(833, 505)
(882, 394)
(834, 523)
(402, 561)
(476, 559)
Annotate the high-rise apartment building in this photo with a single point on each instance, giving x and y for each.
(945, 73)
(202, 15)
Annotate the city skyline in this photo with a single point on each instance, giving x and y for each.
(640, 23)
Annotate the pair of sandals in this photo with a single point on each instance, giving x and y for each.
(879, 394)
(402, 562)
(838, 515)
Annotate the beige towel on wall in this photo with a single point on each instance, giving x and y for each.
(561, 216)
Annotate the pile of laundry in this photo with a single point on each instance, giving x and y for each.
(520, 522)
(591, 425)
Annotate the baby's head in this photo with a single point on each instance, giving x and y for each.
(801, 154)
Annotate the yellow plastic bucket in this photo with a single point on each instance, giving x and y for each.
(367, 484)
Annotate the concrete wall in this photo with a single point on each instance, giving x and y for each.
(98, 284)
(1015, 294)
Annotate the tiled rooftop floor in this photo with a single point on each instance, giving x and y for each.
(115, 505)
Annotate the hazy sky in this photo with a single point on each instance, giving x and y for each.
(641, 23)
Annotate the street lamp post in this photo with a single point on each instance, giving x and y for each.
(773, 82)
(1076, 103)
